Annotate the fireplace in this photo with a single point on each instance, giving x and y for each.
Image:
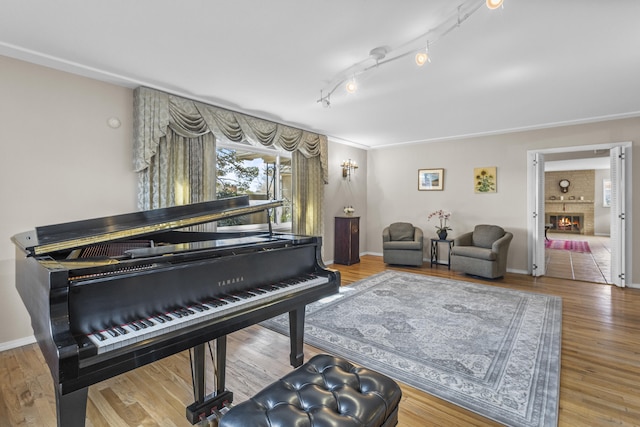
(565, 222)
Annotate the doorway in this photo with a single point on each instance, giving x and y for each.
(577, 219)
(620, 243)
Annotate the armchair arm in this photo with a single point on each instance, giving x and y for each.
(502, 243)
(385, 235)
(463, 239)
(501, 248)
(418, 236)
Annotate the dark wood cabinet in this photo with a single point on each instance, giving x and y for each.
(347, 240)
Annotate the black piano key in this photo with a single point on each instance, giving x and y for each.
(113, 332)
(99, 336)
(217, 302)
(121, 330)
(140, 324)
(148, 323)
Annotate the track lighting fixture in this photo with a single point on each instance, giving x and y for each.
(351, 86)
(383, 54)
(378, 53)
(325, 100)
(422, 57)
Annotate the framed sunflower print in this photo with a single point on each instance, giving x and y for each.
(485, 179)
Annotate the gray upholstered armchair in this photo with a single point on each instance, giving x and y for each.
(402, 243)
(482, 252)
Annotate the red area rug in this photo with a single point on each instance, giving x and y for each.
(568, 245)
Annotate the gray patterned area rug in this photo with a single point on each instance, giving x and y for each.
(491, 350)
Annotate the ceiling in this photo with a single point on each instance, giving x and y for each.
(527, 65)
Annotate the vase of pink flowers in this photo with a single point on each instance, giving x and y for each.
(443, 217)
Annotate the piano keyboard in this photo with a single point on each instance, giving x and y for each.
(124, 335)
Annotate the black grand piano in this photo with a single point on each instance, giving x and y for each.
(108, 295)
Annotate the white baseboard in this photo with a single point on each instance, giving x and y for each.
(17, 343)
(373, 253)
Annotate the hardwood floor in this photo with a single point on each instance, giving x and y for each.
(599, 386)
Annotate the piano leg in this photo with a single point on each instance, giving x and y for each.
(71, 408)
(221, 361)
(296, 334)
(198, 373)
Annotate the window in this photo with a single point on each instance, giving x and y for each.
(260, 173)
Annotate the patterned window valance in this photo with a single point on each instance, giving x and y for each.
(155, 111)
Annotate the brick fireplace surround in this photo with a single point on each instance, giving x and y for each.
(584, 207)
(582, 186)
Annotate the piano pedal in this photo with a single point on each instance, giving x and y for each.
(211, 407)
(211, 421)
(214, 419)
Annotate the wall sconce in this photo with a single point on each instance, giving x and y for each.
(347, 167)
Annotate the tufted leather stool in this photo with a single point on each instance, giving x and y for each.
(326, 391)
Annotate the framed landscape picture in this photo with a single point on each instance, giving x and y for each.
(430, 179)
(485, 179)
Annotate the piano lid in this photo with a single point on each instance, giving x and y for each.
(77, 234)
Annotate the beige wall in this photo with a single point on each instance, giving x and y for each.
(60, 162)
(392, 193)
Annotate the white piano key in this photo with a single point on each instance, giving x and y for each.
(188, 316)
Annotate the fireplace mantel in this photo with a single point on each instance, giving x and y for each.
(586, 202)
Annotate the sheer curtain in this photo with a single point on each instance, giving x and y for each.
(175, 156)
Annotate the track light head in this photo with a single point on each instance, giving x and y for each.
(351, 86)
(325, 100)
(422, 57)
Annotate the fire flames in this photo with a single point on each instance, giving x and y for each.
(565, 222)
